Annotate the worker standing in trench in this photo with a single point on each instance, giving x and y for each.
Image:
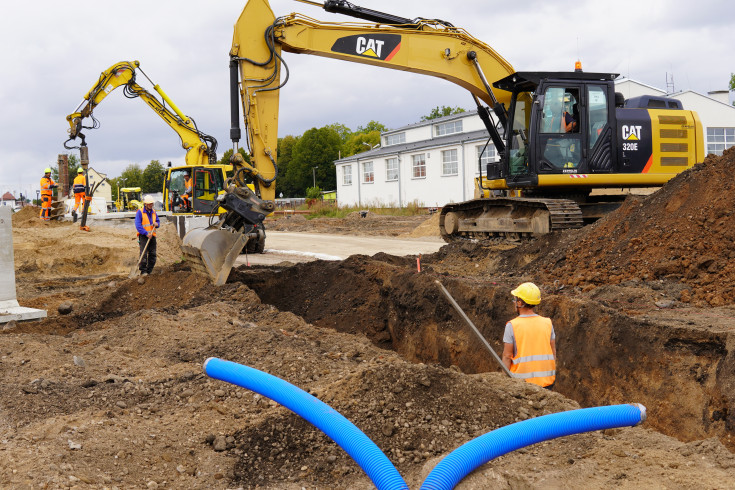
(529, 341)
(146, 222)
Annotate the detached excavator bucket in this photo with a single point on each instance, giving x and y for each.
(212, 251)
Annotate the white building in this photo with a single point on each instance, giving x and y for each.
(429, 163)
(435, 162)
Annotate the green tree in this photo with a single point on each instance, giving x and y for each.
(132, 176)
(225, 160)
(371, 126)
(360, 142)
(313, 159)
(732, 83)
(442, 111)
(152, 177)
(285, 184)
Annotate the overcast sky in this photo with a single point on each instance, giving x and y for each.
(53, 52)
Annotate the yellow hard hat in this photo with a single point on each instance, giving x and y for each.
(80, 170)
(528, 292)
(47, 171)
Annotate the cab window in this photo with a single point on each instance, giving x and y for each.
(597, 112)
(560, 138)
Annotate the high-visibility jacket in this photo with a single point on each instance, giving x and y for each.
(79, 183)
(188, 187)
(46, 184)
(534, 359)
(148, 224)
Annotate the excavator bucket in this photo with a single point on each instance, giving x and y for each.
(212, 251)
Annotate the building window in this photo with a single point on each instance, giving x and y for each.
(368, 175)
(484, 155)
(449, 162)
(391, 169)
(347, 175)
(720, 139)
(419, 166)
(395, 139)
(446, 128)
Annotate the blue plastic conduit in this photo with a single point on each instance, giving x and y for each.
(463, 460)
(359, 446)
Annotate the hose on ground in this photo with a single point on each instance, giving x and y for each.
(359, 446)
(473, 454)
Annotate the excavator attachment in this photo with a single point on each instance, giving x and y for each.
(212, 251)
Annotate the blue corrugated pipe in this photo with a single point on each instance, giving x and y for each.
(463, 460)
(359, 446)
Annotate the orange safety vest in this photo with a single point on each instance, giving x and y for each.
(534, 360)
(79, 183)
(46, 186)
(150, 226)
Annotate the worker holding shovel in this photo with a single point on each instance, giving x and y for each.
(529, 341)
(146, 222)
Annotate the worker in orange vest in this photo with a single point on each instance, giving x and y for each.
(188, 191)
(80, 184)
(146, 222)
(529, 341)
(47, 186)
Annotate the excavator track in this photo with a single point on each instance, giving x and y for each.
(507, 217)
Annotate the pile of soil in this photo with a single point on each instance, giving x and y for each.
(114, 395)
(354, 224)
(684, 232)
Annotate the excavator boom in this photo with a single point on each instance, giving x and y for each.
(200, 148)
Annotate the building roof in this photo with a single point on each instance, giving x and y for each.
(429, 122)
(8, 197)
(443, 141)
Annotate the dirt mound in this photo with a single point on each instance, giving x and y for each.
(28, 217)
(430, 227)
(354, 224)
(65, 250)
(684, 232)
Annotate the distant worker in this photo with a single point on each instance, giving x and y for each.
(80, 183)
(146, 222)
(529, 340)
(188, 191)
(47, 184)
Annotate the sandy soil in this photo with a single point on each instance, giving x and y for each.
(113, 394)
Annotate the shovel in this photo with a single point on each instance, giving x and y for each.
(135, 271)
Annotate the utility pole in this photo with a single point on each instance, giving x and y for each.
(313, 173)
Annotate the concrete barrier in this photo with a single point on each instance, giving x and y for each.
(9, 308)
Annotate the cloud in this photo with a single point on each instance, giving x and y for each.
(54, 52)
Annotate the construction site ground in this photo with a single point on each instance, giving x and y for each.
(112, 394)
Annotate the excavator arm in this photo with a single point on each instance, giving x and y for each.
(258, 72)
(425, 46)
(200, 147)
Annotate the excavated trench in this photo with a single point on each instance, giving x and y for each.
(683, 371)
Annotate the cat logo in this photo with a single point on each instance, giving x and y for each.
(376, 46)
(631, 133)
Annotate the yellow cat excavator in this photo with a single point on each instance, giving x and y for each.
(547, 172)
(200, 160)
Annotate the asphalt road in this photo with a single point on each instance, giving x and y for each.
(281, 246)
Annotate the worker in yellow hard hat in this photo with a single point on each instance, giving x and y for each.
(80, 184)
(529, 341)
(47, 186)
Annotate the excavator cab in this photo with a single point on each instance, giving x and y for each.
(207, 182)
(559, 124)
